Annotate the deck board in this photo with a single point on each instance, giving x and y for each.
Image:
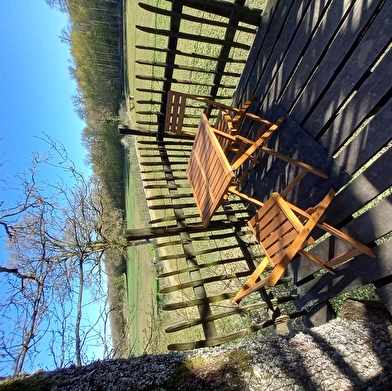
(264, 44)
(314, 53)
(355, 75)
(372, 138)
(336, 55)
(294, 53)
(372, 182)
(365, 101)
(354, 274)
(278, 54)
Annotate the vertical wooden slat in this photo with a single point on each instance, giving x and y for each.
(338, 52)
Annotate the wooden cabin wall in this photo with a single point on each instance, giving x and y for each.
(325, 65)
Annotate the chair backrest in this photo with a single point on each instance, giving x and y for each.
(176, 104)
(287, 233)
(281, 235)
(276, 227)
(175, 112)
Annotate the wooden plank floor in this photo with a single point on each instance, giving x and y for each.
(326, 65)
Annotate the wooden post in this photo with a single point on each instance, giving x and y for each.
(225, 50)
(192, 55)
(192, 18)
(191, 37)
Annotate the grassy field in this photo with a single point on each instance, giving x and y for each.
(140, 277)
(137, 16)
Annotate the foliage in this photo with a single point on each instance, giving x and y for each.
(61, 5)
(101, 139)
(94, 35)
(57, 239)
(365, 292)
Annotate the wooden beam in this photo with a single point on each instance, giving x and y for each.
(203, 281)
(161, 11)
(124, 129)
(178, 81)
(225, 8)
(233, 311)
(236, 335)
(187, 68)
(226, 47)
(191, 37)
(192, 54)
(225, 261)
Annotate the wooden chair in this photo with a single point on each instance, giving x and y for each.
(212, 175)
(177, 103)
(283, 230)
(240, 150)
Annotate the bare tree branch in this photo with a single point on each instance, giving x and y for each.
(57, 240)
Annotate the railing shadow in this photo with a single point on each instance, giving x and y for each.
(326, 65)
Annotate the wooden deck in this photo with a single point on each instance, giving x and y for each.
(326, 66)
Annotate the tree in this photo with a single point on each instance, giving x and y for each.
(57, 238)
(61, 5)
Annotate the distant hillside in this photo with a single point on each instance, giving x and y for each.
(95, 38)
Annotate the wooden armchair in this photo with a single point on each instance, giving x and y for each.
(212, 175)
(283, 230)
(240, 150)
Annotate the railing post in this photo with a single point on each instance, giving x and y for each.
(175, 21)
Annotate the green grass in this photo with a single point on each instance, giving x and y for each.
(137, 259)
(137, 16)
(366, 292)
(134, 37)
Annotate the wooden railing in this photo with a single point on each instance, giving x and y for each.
(324, 66)
(222, 26)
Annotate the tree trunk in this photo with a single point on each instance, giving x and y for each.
(78, 347)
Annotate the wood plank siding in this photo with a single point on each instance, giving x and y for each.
(327, 65)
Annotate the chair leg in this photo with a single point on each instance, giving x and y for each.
(246, 289)
(318, 261)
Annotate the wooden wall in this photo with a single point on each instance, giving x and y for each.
(195, 47)
(326, 67)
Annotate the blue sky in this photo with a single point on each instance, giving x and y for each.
(35, 88)
(35, 84)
